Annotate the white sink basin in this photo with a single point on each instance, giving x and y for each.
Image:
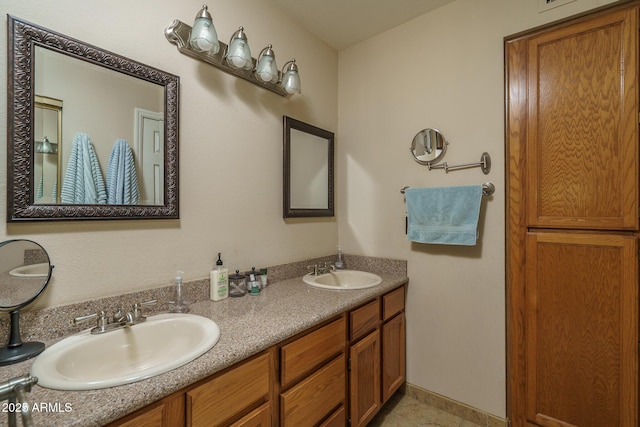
(31, 270)
(162, 343)
(343, 279)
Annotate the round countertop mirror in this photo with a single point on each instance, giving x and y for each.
(428, 146)
(25, 270)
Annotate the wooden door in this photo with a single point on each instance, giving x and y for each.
(582, 124)
(364, 379)
(572, 211)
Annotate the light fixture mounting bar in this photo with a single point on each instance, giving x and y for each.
(178, 34)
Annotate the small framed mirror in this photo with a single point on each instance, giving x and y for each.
(428, 146)
(308, 170)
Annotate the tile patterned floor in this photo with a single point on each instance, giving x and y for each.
(405, 411)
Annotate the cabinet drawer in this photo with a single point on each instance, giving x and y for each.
(364, 319)
(337, 419)
(152, 418)
(311, 351)
(316, 396)
(226, 396)
(393, 303)
(260, 417)
(165, 412)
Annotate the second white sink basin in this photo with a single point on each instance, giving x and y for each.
(162, 343)
(343, 279)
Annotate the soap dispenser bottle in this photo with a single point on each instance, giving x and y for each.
(178, 305)
(219, 286)
(339, 264)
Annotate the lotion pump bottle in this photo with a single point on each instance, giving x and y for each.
(219, 289)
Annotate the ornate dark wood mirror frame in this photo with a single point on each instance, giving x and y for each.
(293, 208)
(23, 37)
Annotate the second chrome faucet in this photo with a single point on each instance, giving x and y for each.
(317, 269)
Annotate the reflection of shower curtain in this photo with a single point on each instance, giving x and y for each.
(122, 181)
(83, 182)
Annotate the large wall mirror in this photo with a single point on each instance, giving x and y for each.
(92, 135)
(308, 170)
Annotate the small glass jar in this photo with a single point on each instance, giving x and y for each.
(237, 285)
(253, 286)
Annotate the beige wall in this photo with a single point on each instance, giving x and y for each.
(442, 70)
(230, 197)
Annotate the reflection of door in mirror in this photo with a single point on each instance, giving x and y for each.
(148, 137)
(47, 152)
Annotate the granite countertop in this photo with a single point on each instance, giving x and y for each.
(248, 325)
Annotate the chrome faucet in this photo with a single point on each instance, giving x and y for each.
(119, 319)
(327, 268)
(15, 390)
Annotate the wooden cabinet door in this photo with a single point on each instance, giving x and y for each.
(582, 124)
(393, 356)
(364, 379)
(581, 328)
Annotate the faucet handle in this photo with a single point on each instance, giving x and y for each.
(314, 267)
(137, 309)
(102, 324)
(119, 315)
(81, 319)
(101, 316)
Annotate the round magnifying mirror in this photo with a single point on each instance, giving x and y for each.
(428, 146)
(25, 270)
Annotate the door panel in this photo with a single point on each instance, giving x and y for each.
(583, 125)
(581, 329)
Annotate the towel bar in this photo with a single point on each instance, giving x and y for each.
(487, 189)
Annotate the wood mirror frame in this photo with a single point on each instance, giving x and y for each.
(23, 37)
(291, 208)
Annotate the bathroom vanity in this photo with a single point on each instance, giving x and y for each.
(293, 353)
(303, 380)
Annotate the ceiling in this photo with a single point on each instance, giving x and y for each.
(343, 23)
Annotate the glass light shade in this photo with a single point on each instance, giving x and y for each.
(266, 69)
(290, 78)
(46, 146)
(204, 37)
(238, 53)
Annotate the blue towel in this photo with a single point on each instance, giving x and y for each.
(444, 215)
(40, 190)
(83, 182)
(122, 180)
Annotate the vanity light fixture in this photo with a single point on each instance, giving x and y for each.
(204, 37)
(290, 77)
(46, 147)
(266, 69)
(238, 53)
(201, 42)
